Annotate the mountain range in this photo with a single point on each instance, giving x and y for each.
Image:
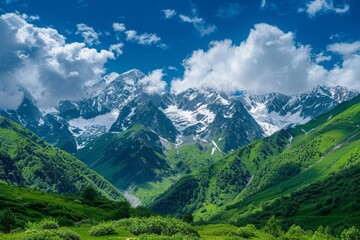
(144, 143)
(307, 174)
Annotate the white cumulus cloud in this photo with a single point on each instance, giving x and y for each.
(268, 61)
(142, 39)
(153, 82)
(345, 49)
(131, 35)
(42, 62)
(168, 13)
(200, 25)
(90, 36)
(117, 48)
(348, 72)
(321, 57)
(119, 27)
(315, 7)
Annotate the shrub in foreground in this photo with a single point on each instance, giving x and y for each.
(51, 235)
(86, 223)
(246, 232)
(322, 234)
(103, 229)
(295, 230)
(352, 233)
(174, 237)
(159, 226)
(43, 224)
(273, 227)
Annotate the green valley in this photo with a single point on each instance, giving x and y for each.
(300, 183)
(307, 175)
(180, 120)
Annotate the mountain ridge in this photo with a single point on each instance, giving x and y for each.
(28, 161)
(285, 168)
(202, 123)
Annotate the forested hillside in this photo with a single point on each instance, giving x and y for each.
(307, 174)
(28, 161)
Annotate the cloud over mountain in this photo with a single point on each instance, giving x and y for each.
(40, 60)
(269, 60)
(153, 82)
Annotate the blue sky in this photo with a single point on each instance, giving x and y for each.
(161, 34)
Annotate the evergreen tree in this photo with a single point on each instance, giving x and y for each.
(89, 194)
(7, 220)
(188, 217)
(273, 227)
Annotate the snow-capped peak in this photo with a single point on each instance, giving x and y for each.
(111, 77)
(276, 111)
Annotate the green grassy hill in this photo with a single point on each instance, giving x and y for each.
(27, 161)
(136, 157)
(33, 205)
(291, 169)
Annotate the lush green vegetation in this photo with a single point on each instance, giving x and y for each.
(28, 161)
(214, 185)
(145, 228)
(119, 156)
(305, 175)
(190, 158)
(301, 183)
(18, 206)
(155, 228)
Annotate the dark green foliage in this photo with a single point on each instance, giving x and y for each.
(103, 229)
(64, 221)
(7, 220)
(352, 233)
(188, 217)
(273, 227)
(89, 194)
(26, 160)
(31, 205)
(140, 212)
(9, 172)
(182, 197)
(123, 211)
(119, 157)
(339, 194)
(216, 184)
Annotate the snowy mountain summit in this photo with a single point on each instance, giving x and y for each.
(276, 111)
(193, 115)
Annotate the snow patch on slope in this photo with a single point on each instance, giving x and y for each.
(111, 77)
(273, 122)
(185, 118)
(84, 130)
